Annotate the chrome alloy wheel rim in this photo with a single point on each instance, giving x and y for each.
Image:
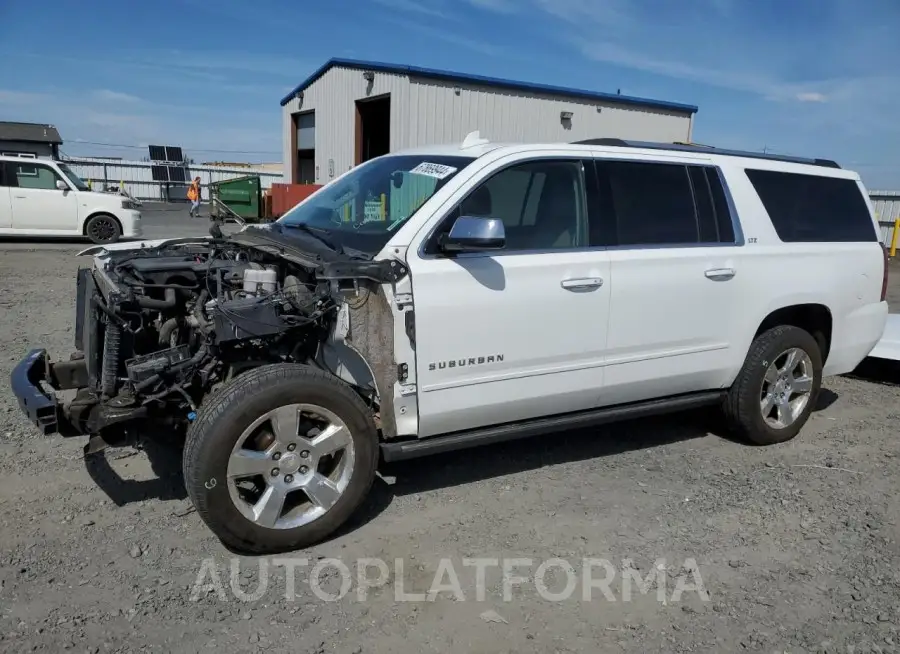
(290, 466)
(786, 388)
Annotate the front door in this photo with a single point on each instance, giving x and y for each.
(521, 332)
(37, 204)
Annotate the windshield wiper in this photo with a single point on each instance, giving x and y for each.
(314, 233)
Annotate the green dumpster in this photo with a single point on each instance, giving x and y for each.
(241, 195)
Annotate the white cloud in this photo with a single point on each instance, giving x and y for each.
(499, 6)
(107, 95)
(415, 7)
(756, 82)
(811, 97)
(13, 97)
(609, 13)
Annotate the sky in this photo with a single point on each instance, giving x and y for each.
(815, 78)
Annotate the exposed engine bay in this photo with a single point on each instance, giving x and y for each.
(160, 328)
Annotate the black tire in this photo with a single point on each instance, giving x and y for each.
(222, 420)
(742, 404)
(103, 229)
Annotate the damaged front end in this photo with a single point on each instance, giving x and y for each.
(161, 327)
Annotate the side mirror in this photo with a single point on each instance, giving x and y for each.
(61, 185)
(472, 234)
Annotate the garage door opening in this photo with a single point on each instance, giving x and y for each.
(373, 128)
(306, 148)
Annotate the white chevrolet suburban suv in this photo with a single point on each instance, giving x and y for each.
(452, 296)
(43, 197)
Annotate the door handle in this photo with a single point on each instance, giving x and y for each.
(720, 274)
(21, 197)
(581, 284)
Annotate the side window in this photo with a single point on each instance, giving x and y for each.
(713, 215)
(813, 209)
(665, 204)
(34, 176)
(541, 204)
(653, 202)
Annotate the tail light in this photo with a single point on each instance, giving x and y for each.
(884, 279)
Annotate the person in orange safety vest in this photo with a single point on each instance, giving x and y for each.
(193, 195)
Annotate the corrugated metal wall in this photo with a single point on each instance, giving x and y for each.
(425, 112)
(138, 177)
(887, 209)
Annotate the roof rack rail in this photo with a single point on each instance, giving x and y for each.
(606, 141)
(696, 147)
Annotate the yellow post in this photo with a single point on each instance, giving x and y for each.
(383, 200)
(894, 237)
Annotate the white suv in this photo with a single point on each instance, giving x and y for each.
(452, 296)
(41, 197)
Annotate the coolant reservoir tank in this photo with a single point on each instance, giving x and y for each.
(256, 281)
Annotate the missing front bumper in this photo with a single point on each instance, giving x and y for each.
(41, 408)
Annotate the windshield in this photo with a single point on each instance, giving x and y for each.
(75, 179)
(365, 208)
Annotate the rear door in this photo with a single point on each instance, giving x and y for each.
(676, 279)
(37, 204)
(517, 333)
(5, 199)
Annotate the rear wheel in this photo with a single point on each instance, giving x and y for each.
(777, 388)
(102, 229)
(280, 458)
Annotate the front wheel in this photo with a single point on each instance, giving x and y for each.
(103, 229)
(777, 388)
(280, 458)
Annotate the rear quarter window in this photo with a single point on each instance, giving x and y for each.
(812, 208)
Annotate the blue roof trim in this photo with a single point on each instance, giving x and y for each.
(485, 81)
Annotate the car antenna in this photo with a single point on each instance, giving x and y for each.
(472, 139)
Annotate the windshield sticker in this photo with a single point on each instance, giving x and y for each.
(438, 171)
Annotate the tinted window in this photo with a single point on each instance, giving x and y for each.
(810, 208)
(724, 221)
(541, 204)
(653, 203)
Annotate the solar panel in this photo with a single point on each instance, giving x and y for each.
(159, 173)
(173, 153)
(177, 174)
(157, 153)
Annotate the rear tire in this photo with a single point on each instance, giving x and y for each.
(286, 422)
(775, 391)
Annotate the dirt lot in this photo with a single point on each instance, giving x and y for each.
(796, 545)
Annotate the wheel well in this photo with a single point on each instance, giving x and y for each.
(814, 318)
(99, 213)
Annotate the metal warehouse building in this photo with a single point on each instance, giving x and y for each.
(350, 111)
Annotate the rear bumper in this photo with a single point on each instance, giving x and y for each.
(41, 408)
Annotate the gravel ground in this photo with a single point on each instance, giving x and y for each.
(796, 545)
